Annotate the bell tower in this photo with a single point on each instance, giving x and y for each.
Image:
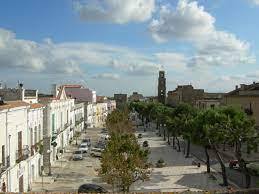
(161, 87)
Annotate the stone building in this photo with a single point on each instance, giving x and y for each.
(135, 97)
(161, 87)
(121, 100)
(210, 100)
(246, 97)
(184, 94)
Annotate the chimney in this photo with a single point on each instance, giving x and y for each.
(254, 82)
(236, 87)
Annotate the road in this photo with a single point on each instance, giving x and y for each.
(69, 174)
(178, 175)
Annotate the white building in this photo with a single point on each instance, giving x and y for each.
(58, 126)
(14, 146)
(35, 139)
(79, 116)
(21, 136)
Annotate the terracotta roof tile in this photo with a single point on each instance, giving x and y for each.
(13, 104)
(36, 105)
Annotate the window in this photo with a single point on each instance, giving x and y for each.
(53, 124)
(35, 135)
(39, 132)
(3, 155)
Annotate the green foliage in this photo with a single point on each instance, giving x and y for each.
(118, 121)
(123, 162)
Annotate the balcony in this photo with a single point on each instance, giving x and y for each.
(67, 125)
(79, 121)
(3, 167)
(22, 154)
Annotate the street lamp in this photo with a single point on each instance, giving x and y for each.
(160, 126)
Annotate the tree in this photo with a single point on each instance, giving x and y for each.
(210, 132)
(240, 130)
(185, 114)
(118, 121)
(123, 162)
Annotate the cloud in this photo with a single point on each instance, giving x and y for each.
(254, 2)
(175, 61)
(115, 11)
(69, 57)
(190, 23)
(106, 76)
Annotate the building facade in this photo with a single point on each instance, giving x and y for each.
(184, 94)
(247, 98)
(59, 126)
(15, 151)
(135, 97)
(210, 100)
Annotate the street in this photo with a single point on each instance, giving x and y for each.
(68, 174)
(178, 175)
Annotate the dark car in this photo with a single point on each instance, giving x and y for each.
(139, 135)
(91, 188)
(145, 144)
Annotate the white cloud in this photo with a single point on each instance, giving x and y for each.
(107, 76)
(189, 22)
(69, 57)
(254, 2)
(115, 11)
(174, 61)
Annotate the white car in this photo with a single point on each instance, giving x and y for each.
(78, 155)
(86, 142)
(84, 148)
(97, 152)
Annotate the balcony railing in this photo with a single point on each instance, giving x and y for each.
(22, 154)
(3, 167)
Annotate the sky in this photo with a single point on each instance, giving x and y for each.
(118, 46)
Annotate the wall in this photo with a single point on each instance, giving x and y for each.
(244, 102)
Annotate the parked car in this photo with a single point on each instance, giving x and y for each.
(83, 148)
(139, 135)
(96, 151)
(145, 144)
(86, 142)
(233, 163)
(78, 155)
(91, 188)
(104, 130)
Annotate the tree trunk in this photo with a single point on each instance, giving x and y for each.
(242, 164)
(207, 159)
(178, 144)
(223, 168)
(188, 148)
